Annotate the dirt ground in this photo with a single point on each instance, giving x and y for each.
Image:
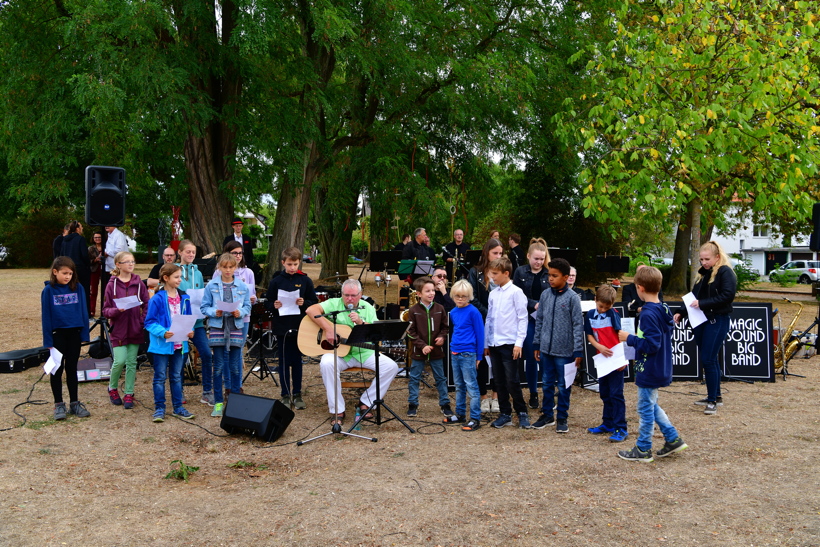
(749, 477)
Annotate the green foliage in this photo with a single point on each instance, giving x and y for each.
(745, 278)
(182, 471)
(29, 237)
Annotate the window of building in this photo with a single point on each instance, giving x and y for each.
(760, 231)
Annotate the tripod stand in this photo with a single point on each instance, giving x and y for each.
(336, 428)
(265, 341)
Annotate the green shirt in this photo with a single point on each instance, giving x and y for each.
(368, 315)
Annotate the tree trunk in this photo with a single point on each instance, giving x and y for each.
(677, 281)
(210, 210)
(335, 225)
(694, 246)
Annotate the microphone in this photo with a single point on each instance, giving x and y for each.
(349, 307)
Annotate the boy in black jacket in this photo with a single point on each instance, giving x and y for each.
(653, 368)
(286, 327)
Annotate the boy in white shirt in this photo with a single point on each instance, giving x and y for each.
(504, 331)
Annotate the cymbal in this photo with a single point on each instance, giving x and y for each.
(335, 277)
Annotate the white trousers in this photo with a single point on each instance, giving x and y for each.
(333, 385)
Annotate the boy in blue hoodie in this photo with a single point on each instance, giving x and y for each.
(653, 368)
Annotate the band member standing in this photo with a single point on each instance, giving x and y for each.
(360, 313)
(417, 249)
(246, 241)
(455, 249)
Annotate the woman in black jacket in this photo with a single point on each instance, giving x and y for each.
(76, 248)
(714, 290)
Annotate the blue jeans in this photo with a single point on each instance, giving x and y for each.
(168, 365)
(219, 366)
(554, 376)
(531, 366)
(710, 338)
(290, 365)
(465, 375)
(611, 390)
(650, 414)
(232, 367)
(200, 340)
(416, 370)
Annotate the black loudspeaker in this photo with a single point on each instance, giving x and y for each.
(265, 418)
(814, 241)
(104, 196)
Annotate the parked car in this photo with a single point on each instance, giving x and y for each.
(802, 271)
(307, 259)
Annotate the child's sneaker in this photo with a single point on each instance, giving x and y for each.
(524, 420)
(704, 401)
(543, 422)
(600, 430)
(128, 401)
(494, 405)
(446, 410)
(159, 416)
(182, 413)
(485, 405)
(453, 419)
(562, 427)
(59, 411)
(78, 409)
(472, 425)
(286, 401)
(670, 448)
(711, 408)
(636, 455)
(218, 409)
(533, 400)
(412, 411)
(208, 398)
(501, 421)
(618, 436)
(114, 395)
(298, 402)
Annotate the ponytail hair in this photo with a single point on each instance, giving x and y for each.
(538, 244)
(722, 258)
(167, 270)
(119, 257)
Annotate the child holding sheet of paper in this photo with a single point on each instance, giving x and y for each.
(290, 280)
(166, 355)
(126, 325)
(227, 333)
(601, 327)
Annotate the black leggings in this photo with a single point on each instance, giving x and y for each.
(484, 378)
(68, 342)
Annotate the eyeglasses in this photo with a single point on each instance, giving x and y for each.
(459, 296)
(236, 253)
(350, 295)
(442, 276)
(127, 262)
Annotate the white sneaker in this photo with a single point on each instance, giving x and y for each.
(494, 405)
(485, 405)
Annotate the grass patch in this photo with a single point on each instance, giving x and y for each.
(39, 424)
(11, 391)
(182, 472)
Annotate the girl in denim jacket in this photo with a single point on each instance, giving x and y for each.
(227, 333)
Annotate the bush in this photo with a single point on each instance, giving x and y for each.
(745, 277)
(29, 238)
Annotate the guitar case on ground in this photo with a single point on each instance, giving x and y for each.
(21, 359)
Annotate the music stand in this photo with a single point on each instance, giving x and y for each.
(385, 261)
(375, 333)
(424, 267)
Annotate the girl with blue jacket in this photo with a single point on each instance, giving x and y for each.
(192, 279)
(167, 357)
(226, 329)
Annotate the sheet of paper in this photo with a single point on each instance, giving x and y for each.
(696, 316)
(489, 365)
(196, 301)
(533, 315)
(127, 302)
(606, 365)
(181, 325)
(288, 300)
(628, 325)
(227, 307)
(569, 373)
(587, 305)
(55, 358)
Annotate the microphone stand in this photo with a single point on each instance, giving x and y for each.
(336, 428)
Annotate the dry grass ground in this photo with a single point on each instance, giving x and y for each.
(750, 476)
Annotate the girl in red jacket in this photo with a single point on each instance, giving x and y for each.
(126, 325)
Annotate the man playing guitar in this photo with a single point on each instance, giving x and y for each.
(351, 311)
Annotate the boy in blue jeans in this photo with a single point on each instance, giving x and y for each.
(466, 347)
(653, 368)
(601, 327)
(559, 337)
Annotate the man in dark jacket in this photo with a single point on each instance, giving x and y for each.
(76, 248)
(454, 251)
(247, 244)
(630, 298)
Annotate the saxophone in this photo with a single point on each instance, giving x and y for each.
(788, 346)
(412, 300)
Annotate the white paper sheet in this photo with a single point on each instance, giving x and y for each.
(696, 316)
(628, 325)
(606, 365)
(128, 302)
(227, 307)
(288, 300)
(181, 325)
(489, 365)
(55, 358)
(569, 373)
(196, 302)
(587, 305)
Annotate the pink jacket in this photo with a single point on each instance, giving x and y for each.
(126, 327)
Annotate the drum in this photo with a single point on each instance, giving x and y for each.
(322, 296)
(260, 314)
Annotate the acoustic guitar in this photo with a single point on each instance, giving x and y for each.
(311, 339)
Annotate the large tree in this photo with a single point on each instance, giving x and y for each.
(695, 104)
